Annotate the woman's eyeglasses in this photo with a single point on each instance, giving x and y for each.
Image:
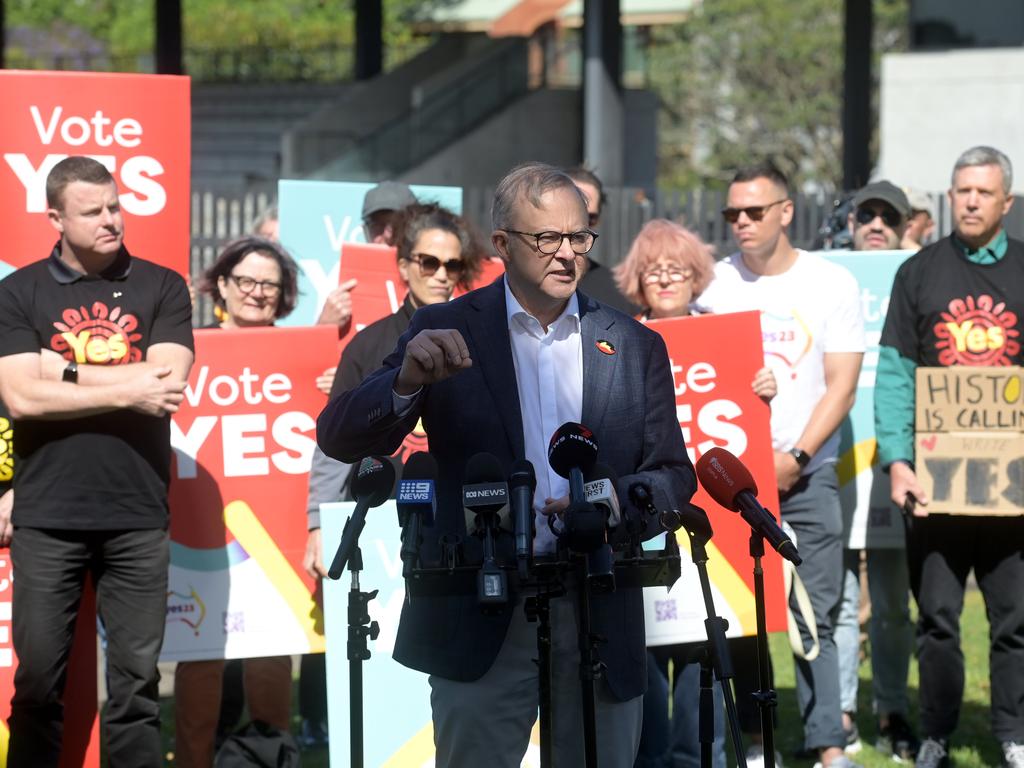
(676, 274)
(430, 264)
(248, 285)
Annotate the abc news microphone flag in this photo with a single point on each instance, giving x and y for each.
(139, 127)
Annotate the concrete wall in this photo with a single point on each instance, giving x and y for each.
(544, 125)
(936, 105)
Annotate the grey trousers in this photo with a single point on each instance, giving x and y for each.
(812, 509)
(487, 722)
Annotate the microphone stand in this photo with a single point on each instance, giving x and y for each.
(359, 628)
(716, 654)
(538, 608)
(590, 665)
(765, 696)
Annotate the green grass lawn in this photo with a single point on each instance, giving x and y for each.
(973, 747)
(973, 744)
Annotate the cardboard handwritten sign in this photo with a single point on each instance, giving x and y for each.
(970, 439)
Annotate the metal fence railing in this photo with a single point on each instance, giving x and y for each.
(220, 215)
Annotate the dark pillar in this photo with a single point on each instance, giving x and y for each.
(369, 39)
(168, 37)
(3, 35)
(603, 127)
(857, 120)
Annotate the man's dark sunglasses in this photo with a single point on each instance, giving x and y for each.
(430, 264)
(754, 212)
(889, 215)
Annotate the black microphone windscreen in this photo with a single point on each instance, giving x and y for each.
(374, 480)
(420, 466)
(523, 474)
(572, 445)
(484, 468)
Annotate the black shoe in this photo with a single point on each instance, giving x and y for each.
(934, 753)
(897, 739)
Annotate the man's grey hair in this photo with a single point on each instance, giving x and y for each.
(529, 182)
(982, 155)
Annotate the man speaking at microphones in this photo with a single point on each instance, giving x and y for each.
(498, 371)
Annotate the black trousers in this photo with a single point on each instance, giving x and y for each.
(129, 569)
(942, 550)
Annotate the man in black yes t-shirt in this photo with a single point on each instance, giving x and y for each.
(95, 351)
(958, 302)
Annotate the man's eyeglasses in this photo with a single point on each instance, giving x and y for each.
(676, 274)
(754, 212)
(890, 216)
(430, 264)
(248, 285)
(548, 243)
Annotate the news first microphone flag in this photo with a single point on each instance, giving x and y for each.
(715, 406)
(139, 127)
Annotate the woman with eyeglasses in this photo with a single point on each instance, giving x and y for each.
(667, 267)
(254, 283)
(437, 252)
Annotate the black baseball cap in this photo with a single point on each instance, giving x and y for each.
(887, 192)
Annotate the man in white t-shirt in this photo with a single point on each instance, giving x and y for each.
(813, 335)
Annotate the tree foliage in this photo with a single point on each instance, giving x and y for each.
(126, 27)
(743, 80)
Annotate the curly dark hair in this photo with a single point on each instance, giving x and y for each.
(413, 220)
(235, 251)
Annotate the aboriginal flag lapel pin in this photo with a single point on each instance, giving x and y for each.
(605, 346)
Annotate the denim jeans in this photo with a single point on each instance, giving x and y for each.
(847, 631)
(812, 510)
(129, 569)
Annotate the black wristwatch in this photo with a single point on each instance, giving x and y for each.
(70, 374)
(803, 458)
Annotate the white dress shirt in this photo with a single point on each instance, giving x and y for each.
(549, 377)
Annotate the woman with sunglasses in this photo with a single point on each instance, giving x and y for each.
(667, 267)
(253, 283)
(437, 252)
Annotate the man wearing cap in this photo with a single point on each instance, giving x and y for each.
(877, 223)
(379, 206)
(921, 223)
(879, 217)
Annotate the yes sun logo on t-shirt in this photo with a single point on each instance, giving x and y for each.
(6, 450)
(977, 332)
(97, 335)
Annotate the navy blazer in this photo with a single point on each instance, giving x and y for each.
(628, 402)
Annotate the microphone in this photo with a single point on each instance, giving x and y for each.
(600, 491)
(416, 505)
(731, 485)
(522, 484)
(485, 494)
(485, 502)
(572, 452)
(371, 487)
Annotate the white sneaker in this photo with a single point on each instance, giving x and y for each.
(755, 757)
(1013, 754)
